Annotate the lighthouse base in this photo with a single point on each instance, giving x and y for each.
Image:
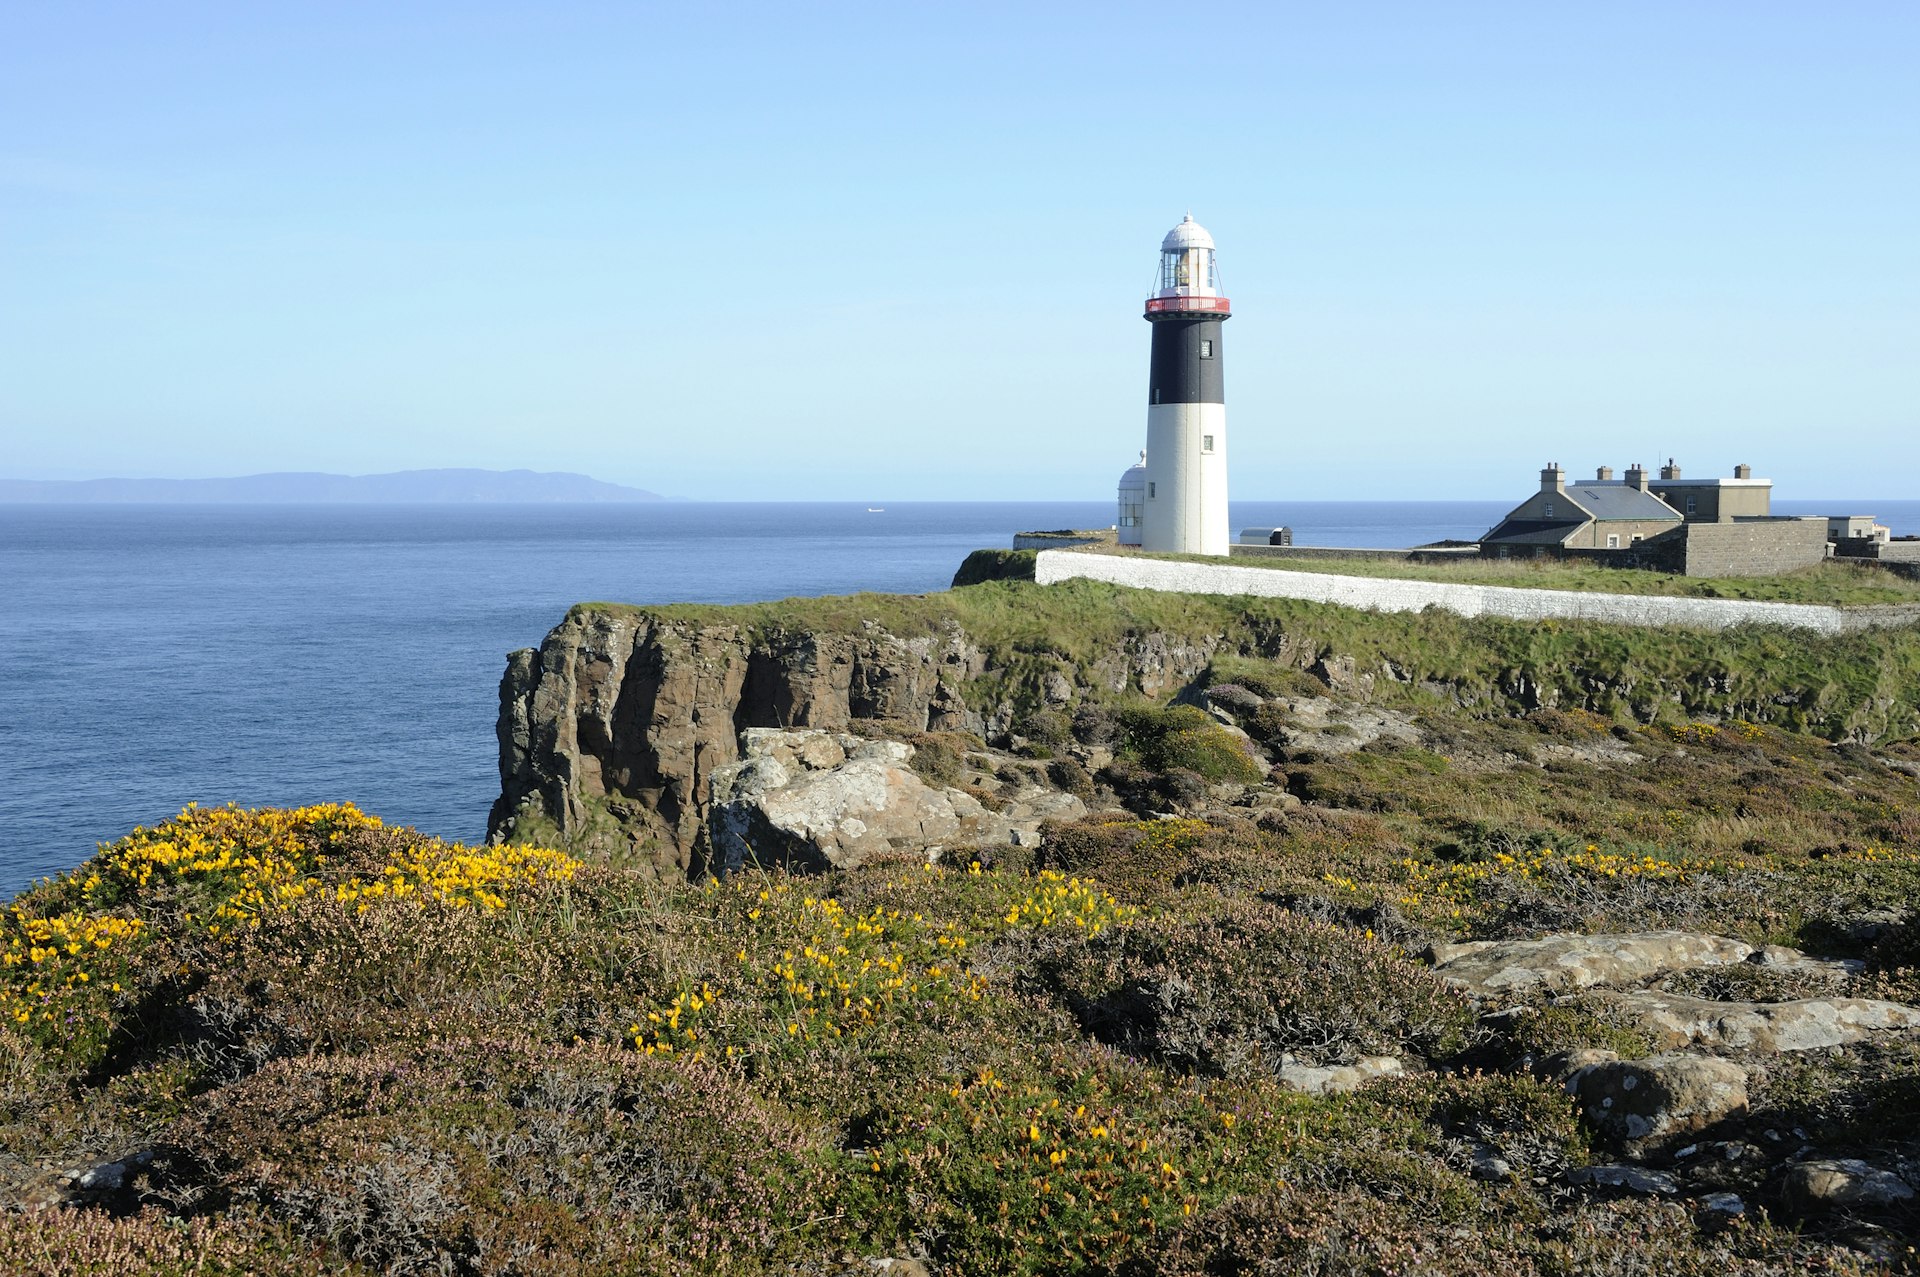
(1185, 511)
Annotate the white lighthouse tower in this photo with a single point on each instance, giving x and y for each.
(1185, 510)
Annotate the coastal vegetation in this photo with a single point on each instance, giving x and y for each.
(1212, 1025)
(1862, 685)
(306, 1039)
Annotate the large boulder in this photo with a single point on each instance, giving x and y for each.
(1637, 1100)
(813, 799)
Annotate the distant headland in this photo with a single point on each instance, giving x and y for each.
(304, 486)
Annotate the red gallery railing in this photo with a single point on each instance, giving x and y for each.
(1183, 305)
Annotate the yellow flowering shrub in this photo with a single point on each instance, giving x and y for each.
(814, 968)
(1710, 733)
(244, 863)
(1057, 900)
(458, 875)
(58, 974)
(846, 969)
(1457, 884)
(220, 871)
(674, 1026)
(270, 848)
(1075, 1165)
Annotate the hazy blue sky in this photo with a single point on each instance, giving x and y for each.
(898, 250)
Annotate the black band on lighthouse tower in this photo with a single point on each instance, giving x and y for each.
(1187, 363)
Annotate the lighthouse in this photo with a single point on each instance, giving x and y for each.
(1185, 505)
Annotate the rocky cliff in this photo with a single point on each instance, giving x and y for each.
(612, 730)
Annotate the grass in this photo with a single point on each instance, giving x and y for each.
(1865, 686)
(1834, 583)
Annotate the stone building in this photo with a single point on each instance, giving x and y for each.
(1714, 500)
(1603, 513)
(1697, 527)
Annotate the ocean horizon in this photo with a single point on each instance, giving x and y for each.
(159, 655)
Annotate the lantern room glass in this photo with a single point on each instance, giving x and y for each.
(1189, 272)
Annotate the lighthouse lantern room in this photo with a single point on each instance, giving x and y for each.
(1185, 507)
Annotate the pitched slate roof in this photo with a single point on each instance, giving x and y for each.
(1608, 502)
(1535, 531)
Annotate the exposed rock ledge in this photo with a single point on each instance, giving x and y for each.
(818, 800)
(614, 729)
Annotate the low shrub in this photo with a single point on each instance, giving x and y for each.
(1233, 698)
(1747, 982)
(1264, 679)
(1095, 725)
(1235, 991)
(1334, 1231)
(995, 565)
(152, 1244)
(462, 1154)
(1536, 1033)
(1138, 860)
(939, 758)
(1068, 775)
(1048, 731)
(1185, 738)
(1530, 1123)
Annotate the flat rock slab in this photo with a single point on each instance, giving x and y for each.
(1566, 962)
(1671, 1020)
(1844, 1183)
(1632, 1179)
(1336, 1079)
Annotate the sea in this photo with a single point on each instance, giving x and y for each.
(156, 655)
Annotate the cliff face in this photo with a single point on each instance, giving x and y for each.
(611, 732)
(612, 729)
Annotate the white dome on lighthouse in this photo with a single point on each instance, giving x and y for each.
(1133, 498)
(1188, 234)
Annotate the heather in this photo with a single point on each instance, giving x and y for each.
(338, 1043)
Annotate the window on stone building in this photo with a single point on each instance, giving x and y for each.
(1206, 443)
(1613, 540)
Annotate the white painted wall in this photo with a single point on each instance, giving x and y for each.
(1186, 509)
(1381, 594)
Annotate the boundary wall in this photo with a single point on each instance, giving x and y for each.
(1381, 594)
(1447, 555)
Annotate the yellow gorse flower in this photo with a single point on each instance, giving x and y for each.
(245, 864)
(44, 959)
(1057, 900)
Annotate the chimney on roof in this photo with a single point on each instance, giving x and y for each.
(1669, 471)
(1637, 476)
(1743, 472)
(1553, 478)
(1604, 474)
